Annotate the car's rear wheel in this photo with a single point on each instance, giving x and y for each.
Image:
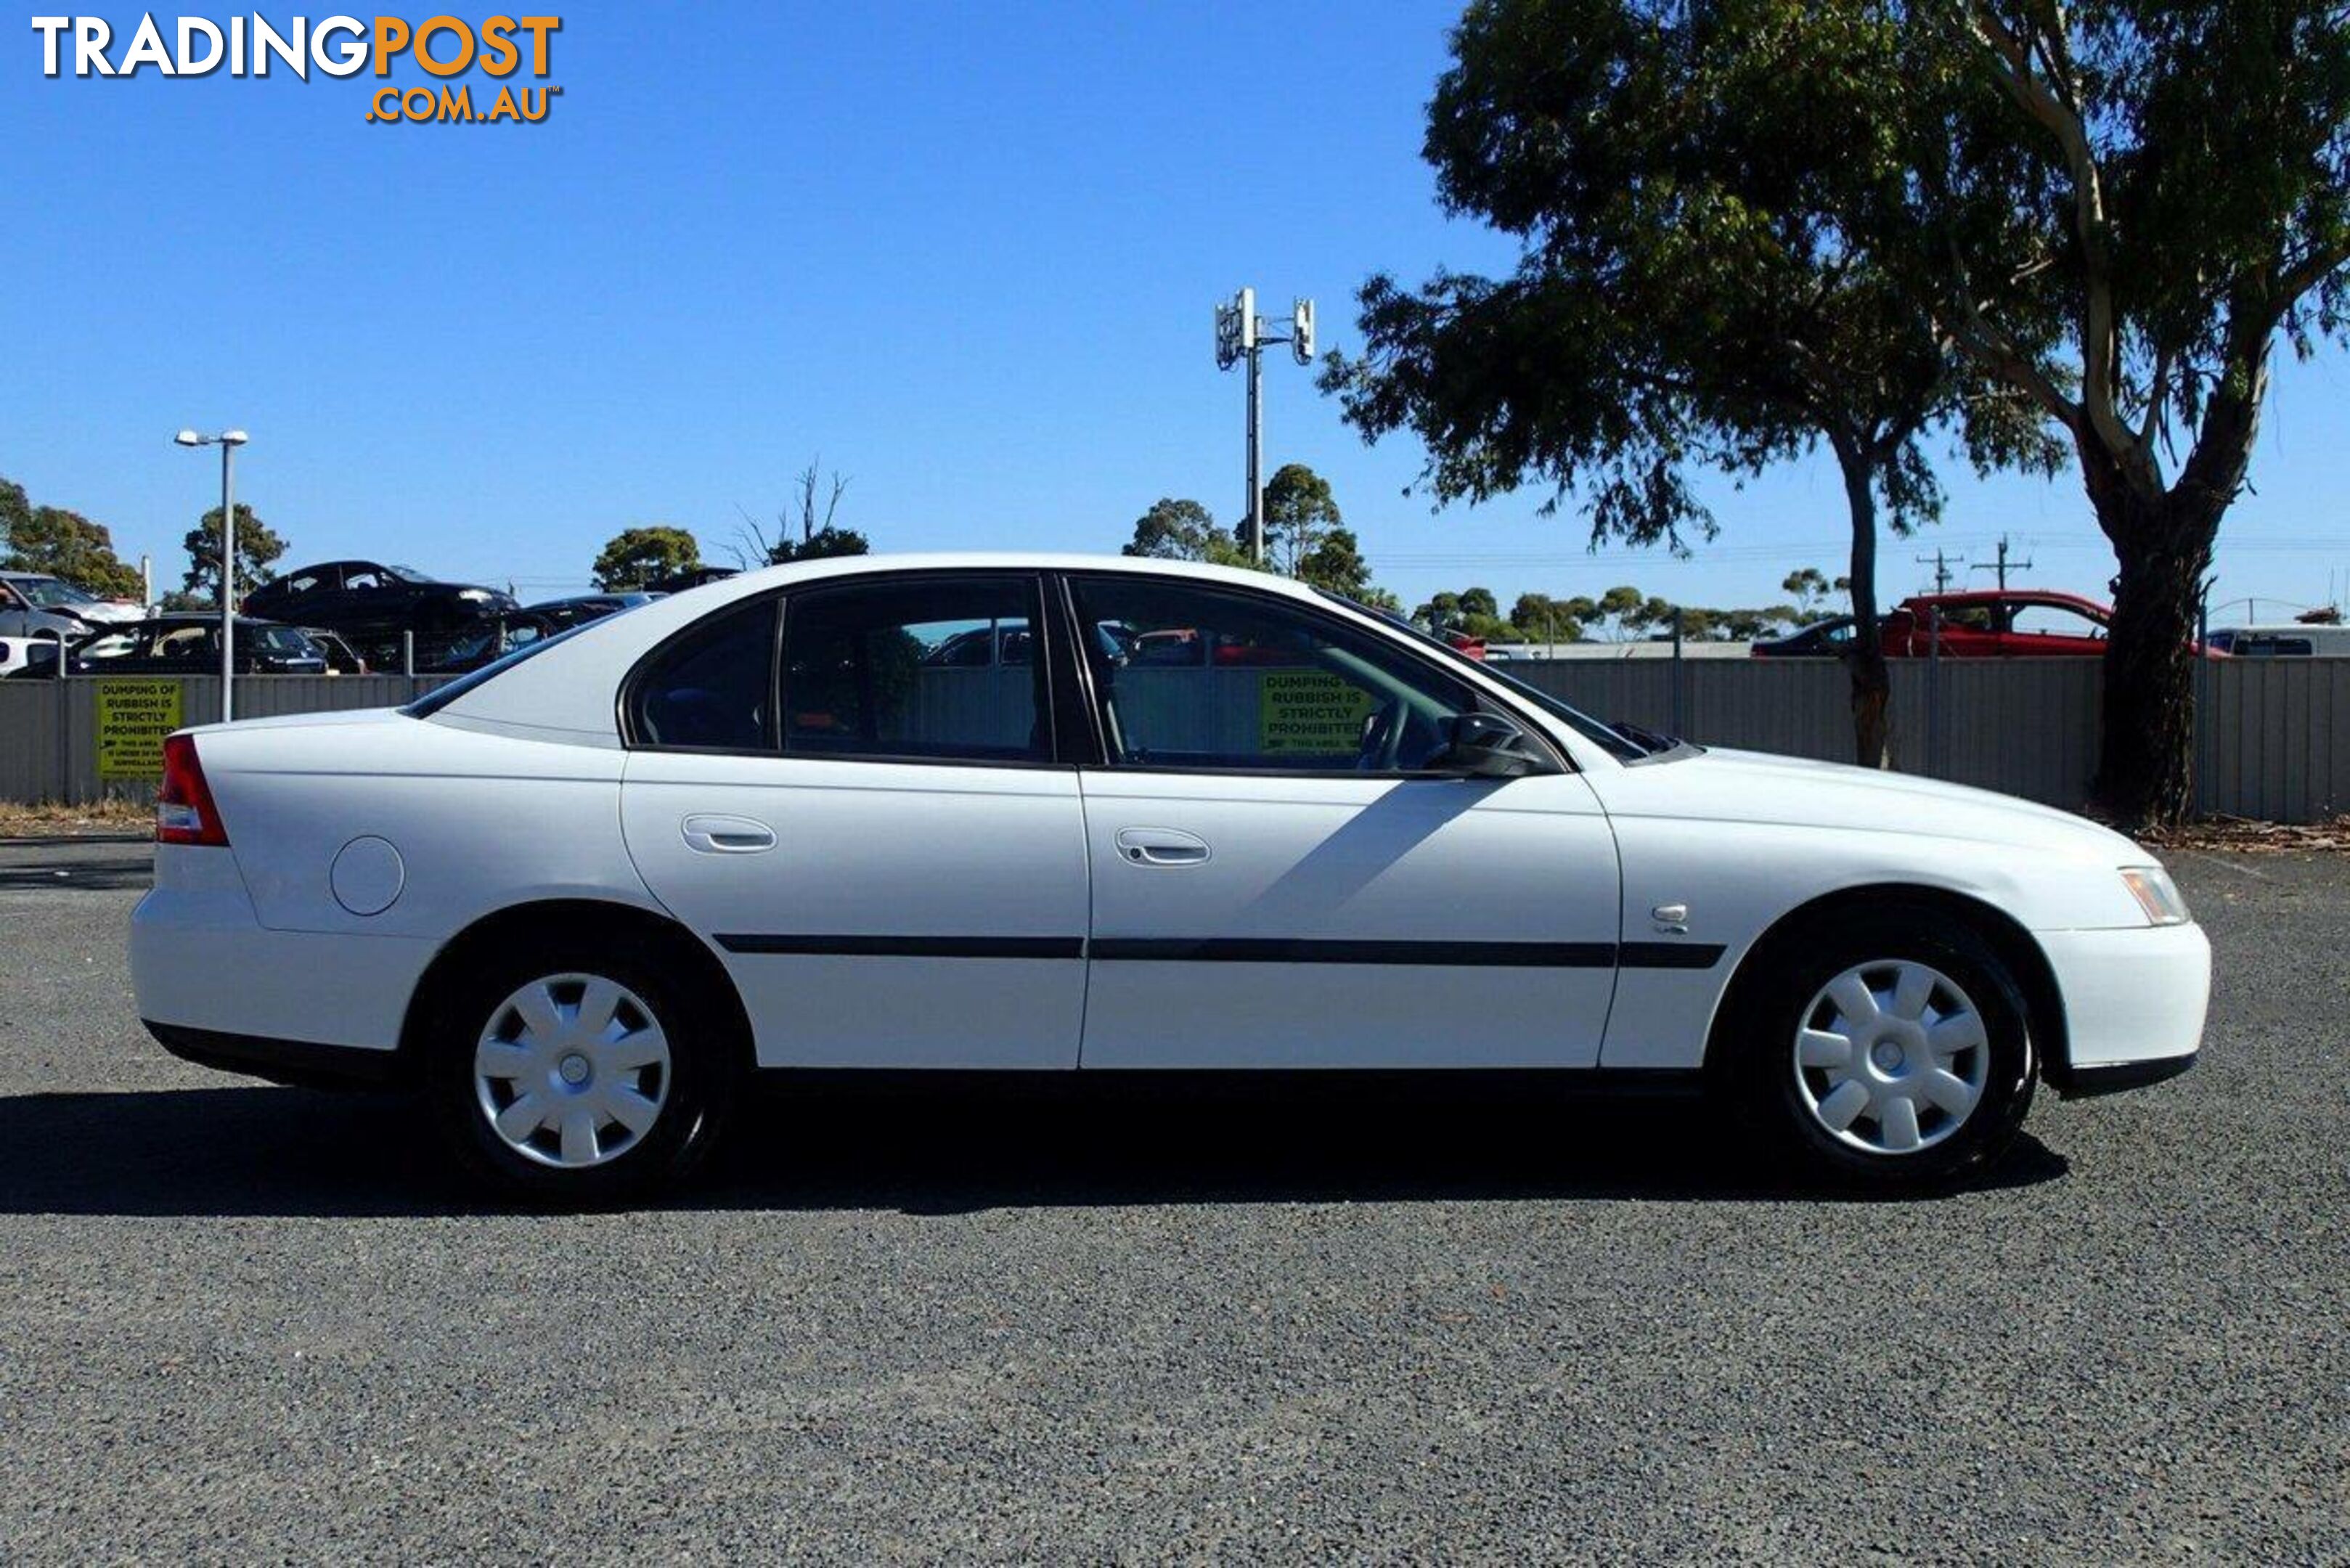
(570, 1075)
(1893, 1051)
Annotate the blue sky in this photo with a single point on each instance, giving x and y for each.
(966, 253)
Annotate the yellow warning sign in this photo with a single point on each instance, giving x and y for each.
(133, 717)
(1310, 710)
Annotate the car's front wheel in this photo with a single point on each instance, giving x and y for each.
(574, 1076)
(1892, 1052)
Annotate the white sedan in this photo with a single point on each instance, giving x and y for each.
(1061, 813)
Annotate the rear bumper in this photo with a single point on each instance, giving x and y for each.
(201, 960)
(296, 1061)
(2134, 1004)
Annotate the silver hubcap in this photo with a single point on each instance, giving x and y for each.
(1892, 1056)
(572, 1070)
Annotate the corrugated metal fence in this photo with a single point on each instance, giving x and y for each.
(2266, 741)
(2026, 726)
(2266, 745)
(48, 729)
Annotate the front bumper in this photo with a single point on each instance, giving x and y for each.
(2135, 1002)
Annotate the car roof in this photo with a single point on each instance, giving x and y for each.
(2003, 595)
(323, 567)
(566, 691)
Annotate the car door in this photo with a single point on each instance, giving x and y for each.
(1285, 876)
(878, 843)
(366, 595)
(307, 592)
(185, 647)
(1968, 630)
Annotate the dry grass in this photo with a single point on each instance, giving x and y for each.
(97, 817)
(2242, 835)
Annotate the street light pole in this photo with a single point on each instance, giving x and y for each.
(228, 581)
(228, 442)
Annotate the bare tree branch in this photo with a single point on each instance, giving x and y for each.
(1987, 343)
(811, 478)
(2313, 270)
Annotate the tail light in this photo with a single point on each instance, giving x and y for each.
(185, 812)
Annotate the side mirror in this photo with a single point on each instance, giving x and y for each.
(1487, 746)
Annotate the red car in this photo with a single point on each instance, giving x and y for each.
(1985, 624)
(1991, 624)
(1468, 647)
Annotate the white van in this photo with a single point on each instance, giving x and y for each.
(2290, 640)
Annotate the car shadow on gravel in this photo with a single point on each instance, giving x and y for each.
(76, 870)
(261, 1151)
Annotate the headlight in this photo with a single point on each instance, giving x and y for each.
(476, 596)
(2156, 894)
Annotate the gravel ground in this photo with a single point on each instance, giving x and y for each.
(241, 1322)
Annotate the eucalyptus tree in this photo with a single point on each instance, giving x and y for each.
(638, 558)
(258, 547)
(2119, 208)
(1689, 295)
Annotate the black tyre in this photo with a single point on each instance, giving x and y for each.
(1889, 1051)
(574, 1074)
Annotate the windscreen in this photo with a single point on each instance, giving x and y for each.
(49, 592)
(1614, 742)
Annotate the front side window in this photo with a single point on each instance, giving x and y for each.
(710, 689)
(931, 668)
(187, 644)
(2030, 619)
(2267, 647)
(1192, 677)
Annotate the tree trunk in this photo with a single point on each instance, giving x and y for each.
(2146, 773)
(1872, 687)
(2162, 540)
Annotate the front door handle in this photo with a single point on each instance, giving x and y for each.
(1161, 846)
(728, 836)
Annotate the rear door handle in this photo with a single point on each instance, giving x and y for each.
(728, 836)
(1161, 846)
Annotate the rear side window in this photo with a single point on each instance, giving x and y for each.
(711, 690)
(930, 669)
